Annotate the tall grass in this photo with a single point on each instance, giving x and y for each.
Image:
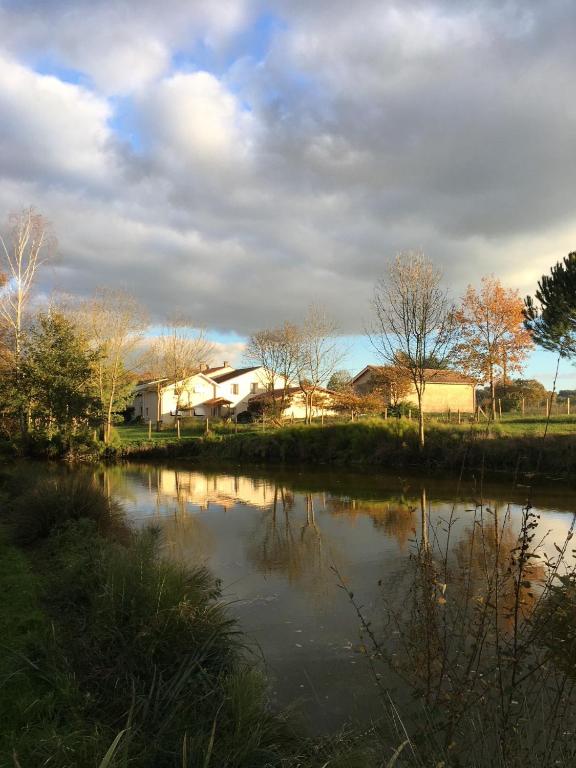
(44, 505)
(375, 442)
(485, 645)
(158, 655)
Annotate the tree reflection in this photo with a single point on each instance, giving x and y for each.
(289, 541)
(468, 626)
(394, 517)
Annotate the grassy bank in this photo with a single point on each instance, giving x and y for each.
(116, 657)
(392, 443)
(106, 646)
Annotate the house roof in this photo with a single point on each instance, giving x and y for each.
(432, 375)
(233, 374)
(151, 386)
(210, 371)
(217, 401)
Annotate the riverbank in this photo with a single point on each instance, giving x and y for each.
(113, 656)
(390, 444)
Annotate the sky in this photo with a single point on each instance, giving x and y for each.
(234, 161)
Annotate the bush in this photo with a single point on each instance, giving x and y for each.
(53, 501)
(155, 653)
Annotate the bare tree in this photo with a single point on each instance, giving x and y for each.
(320, 354)
(114, 322)
(277, 350)
(179, 352)
(414, 320)
(26, 249)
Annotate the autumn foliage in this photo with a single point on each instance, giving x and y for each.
(493, 341)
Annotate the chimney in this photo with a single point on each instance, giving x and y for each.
(226, 364)
(203, 366)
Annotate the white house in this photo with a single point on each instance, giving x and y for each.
(210, 392)
(241, 385)
(295, 407)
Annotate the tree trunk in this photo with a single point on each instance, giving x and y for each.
(492, 394)
(420, 419)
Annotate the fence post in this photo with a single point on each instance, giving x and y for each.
(207, 425)
(458, 415)
(547, 407)
(568, 406)
(409, 414)
(322, 419)
(149, 429)
(523, 406)
(500, 408)
(263, 421)
(385, 413)
(236, 424)
(178, 427)
(449, 415)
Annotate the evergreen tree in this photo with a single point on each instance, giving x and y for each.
(551, 315)
(58, 377)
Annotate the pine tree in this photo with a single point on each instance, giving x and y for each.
(551, 315)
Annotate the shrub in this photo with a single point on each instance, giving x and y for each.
(53, 501)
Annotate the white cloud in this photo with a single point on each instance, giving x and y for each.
(252, 190)
(50, 128)
(192, 118)
(120, 46)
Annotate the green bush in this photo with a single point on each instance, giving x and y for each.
(155, 653)
(53, 501)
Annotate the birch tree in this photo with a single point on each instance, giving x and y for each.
(179, 352)
(320, 353)
(21, 254)
(277, 350)
(413, 320)
(115, 323)
(25, 250)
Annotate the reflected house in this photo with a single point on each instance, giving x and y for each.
(395, 518)
(202, 490)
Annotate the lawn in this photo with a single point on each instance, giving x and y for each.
(130, 434)
(511, 425)
(138, 433)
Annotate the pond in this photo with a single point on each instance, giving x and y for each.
(283, 542)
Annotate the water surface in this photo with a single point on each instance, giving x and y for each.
(281, 542)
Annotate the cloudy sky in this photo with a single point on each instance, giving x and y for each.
(236, 160)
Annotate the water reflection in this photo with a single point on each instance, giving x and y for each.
(273, 541)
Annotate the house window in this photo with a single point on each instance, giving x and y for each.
(253, 387)
(235, 389)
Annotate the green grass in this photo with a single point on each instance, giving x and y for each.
(101, 636)
(22, 624)
(134, 434)
(511, 425)
(533, 426)
(138, 433)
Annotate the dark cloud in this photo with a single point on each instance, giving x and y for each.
(241, 197)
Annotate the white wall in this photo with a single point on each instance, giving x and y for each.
(244, 382)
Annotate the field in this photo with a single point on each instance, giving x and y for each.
(511, 425)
